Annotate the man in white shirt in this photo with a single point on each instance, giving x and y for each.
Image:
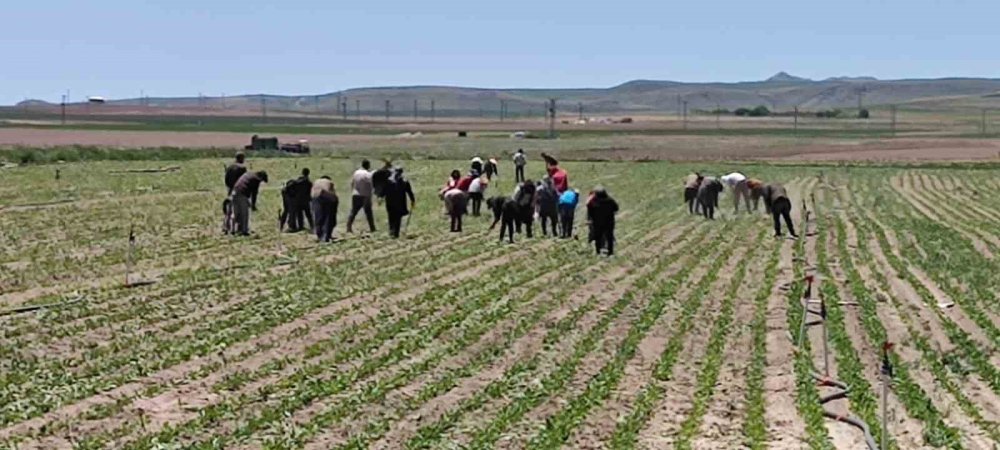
(520, 160)
(361, 196)
(737, 183)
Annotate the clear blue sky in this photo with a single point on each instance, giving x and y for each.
(116, 48)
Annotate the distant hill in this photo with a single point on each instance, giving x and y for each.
(780, 92)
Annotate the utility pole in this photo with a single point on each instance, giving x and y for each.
(339, 102)
(433, 112)
(685, 109)
(344, 108)
(387, 106)
(62, 108)
(892, 112)
(861, 94)
(503, 109)
(552, 118)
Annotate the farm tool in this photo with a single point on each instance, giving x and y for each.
(840, 389)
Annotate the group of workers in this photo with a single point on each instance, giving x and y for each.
(702, 195)
(316, 202)
(551, 200)
(313, 204)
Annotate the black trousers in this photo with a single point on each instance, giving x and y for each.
(547, 218)
(456, 223)
(359, 203)
(395, 223)
(689, 198)
(782, 208)
(604, 238)
(519, 174)
(325, 212)
(566, 215)
(477, 202)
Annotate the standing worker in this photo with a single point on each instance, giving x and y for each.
(777, 203)
(691, 184)
(396, 190)
(296, 210)
(234, 171)
(520, 160)
(560, 179)
(567, 211)
(601, 212)
(324, 206)
(547, 205)
(737, 183)
(361, 196)
(245, 199)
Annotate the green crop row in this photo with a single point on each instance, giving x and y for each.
(486, 435)
(755, 426)
(918, 405)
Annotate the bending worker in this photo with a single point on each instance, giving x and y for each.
(777, 203)
(737, 183)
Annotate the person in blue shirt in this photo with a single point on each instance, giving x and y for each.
(567, 209)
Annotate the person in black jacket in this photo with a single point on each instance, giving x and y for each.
(295, 197)
(234, 171)
(601, 210)
(395, 189)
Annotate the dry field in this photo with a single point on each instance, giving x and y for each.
(687, 338)
(624, 147)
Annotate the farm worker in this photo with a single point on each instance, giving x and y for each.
(601, 215)
(245, 199)
(524, 197)
(455, 203)
(777, 203)
(756, 191)
(691, 184)
(547, 205)
(396, 189)
(295, 203)
(324, 206)
(560, 179)
(520, 160)
(491, 169)
(234, 171)
(465, 182)
(477, 165)
(477, 190)
(567, 210)
(737, 182)
(361, 196)
(452, 181)
(708, 196)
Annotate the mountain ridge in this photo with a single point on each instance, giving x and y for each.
(781, 91)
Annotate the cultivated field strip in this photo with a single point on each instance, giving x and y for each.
(252, 430)
(560, 361)
(686, 338)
